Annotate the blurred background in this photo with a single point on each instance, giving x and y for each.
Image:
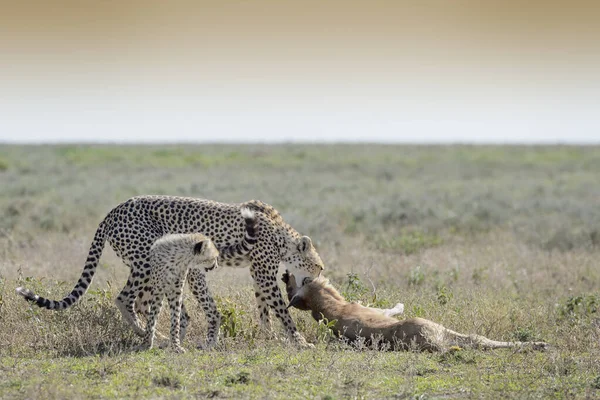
(310, 71)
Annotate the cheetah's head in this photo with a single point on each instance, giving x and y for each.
(304, 261)
(206, 254)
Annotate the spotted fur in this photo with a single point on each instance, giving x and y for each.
(171, 257)
(133, 226)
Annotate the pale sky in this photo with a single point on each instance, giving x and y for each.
(271, 71)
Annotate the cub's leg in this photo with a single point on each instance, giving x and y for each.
(183, 322)
(154, 306)
(175, 297)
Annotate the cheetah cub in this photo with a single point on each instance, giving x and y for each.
(171, 258)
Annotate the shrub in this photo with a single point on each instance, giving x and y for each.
(579, 307)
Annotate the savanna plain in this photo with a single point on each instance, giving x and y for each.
(502, 241)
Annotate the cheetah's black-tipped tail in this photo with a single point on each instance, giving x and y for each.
(244, 247)
(84, 281)
(250, 237)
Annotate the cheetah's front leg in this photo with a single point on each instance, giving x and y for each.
(263, 312)
(266, 279)
(197, 281)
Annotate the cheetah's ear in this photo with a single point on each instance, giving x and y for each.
(199, 247)
(305, 244)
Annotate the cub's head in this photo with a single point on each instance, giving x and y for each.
(205, 253)
(304, 261)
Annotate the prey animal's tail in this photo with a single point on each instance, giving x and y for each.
(84, 281)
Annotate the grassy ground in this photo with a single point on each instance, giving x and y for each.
(500, 241)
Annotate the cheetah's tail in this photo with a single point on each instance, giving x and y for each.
(250, 236)
(84, 281)
(245, 246)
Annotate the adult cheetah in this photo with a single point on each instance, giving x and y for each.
(171, 258)
(134, 225)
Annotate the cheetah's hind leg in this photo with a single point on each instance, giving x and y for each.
(142, 312)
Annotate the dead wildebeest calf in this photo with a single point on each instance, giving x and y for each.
(354, 321)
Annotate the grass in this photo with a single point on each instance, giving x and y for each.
(502, 241)
(270, 371)
(408, 242)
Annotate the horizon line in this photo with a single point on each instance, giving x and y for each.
(531, 143)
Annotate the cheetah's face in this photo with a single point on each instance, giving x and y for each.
(206, 254)
(305, 262)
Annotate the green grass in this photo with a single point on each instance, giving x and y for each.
(408, 242)
(272, 371)
(502, 241)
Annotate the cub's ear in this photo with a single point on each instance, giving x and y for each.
(199, 247)
(305, 244)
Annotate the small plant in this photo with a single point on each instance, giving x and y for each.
(596, 382)
(171, 381)
(325, 330)
(355, 289)
(444, 295)
(524, 334)
(242, 377)
(416, 276)
(417, 311)
(578, 307)
(456, 355)
(231, 318)
(34, 284)
(100, 295)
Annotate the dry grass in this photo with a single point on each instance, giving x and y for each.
(501, 241)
